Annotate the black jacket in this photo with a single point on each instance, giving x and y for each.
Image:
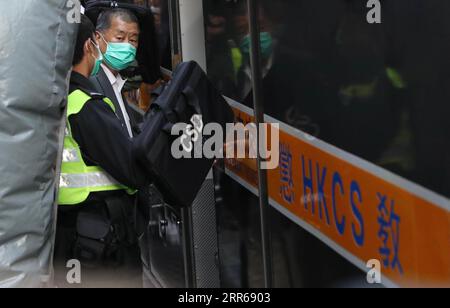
(103, 140)
(101, 84)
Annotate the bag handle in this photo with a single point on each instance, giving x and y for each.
(192, 99)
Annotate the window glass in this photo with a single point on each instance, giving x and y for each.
(378, 91)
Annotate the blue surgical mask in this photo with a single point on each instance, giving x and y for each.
(98, 60)
(266, 42)
(119, 56)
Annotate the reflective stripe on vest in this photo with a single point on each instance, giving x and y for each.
(93, 179)
(78, 180)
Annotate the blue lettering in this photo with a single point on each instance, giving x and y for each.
(355, 190)
(321, 193)
(337, 180)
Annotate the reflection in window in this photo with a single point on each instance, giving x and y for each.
(380, 92)
(160, 9)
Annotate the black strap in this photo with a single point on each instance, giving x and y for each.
(189, 93)
(118, 214)
(114, 209)
(192, 99)
(158, 91)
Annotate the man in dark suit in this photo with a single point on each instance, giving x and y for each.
(118, 36)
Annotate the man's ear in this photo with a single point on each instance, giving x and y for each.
(100, 41)
(87, 48)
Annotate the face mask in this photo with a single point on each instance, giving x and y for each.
(119, 56)
(266, 42)
(98, 61)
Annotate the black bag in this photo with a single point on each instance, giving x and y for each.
(147, 54)
(189, 93)
(104, 233)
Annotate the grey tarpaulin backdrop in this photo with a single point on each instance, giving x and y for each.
(36, 48)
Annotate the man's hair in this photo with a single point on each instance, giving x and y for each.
(105, 19)
(86, 31)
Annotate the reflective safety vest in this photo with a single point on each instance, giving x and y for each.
(78, 180)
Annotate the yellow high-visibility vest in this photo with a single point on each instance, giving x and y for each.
(77, 180)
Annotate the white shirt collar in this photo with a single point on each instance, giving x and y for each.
(116, 81)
